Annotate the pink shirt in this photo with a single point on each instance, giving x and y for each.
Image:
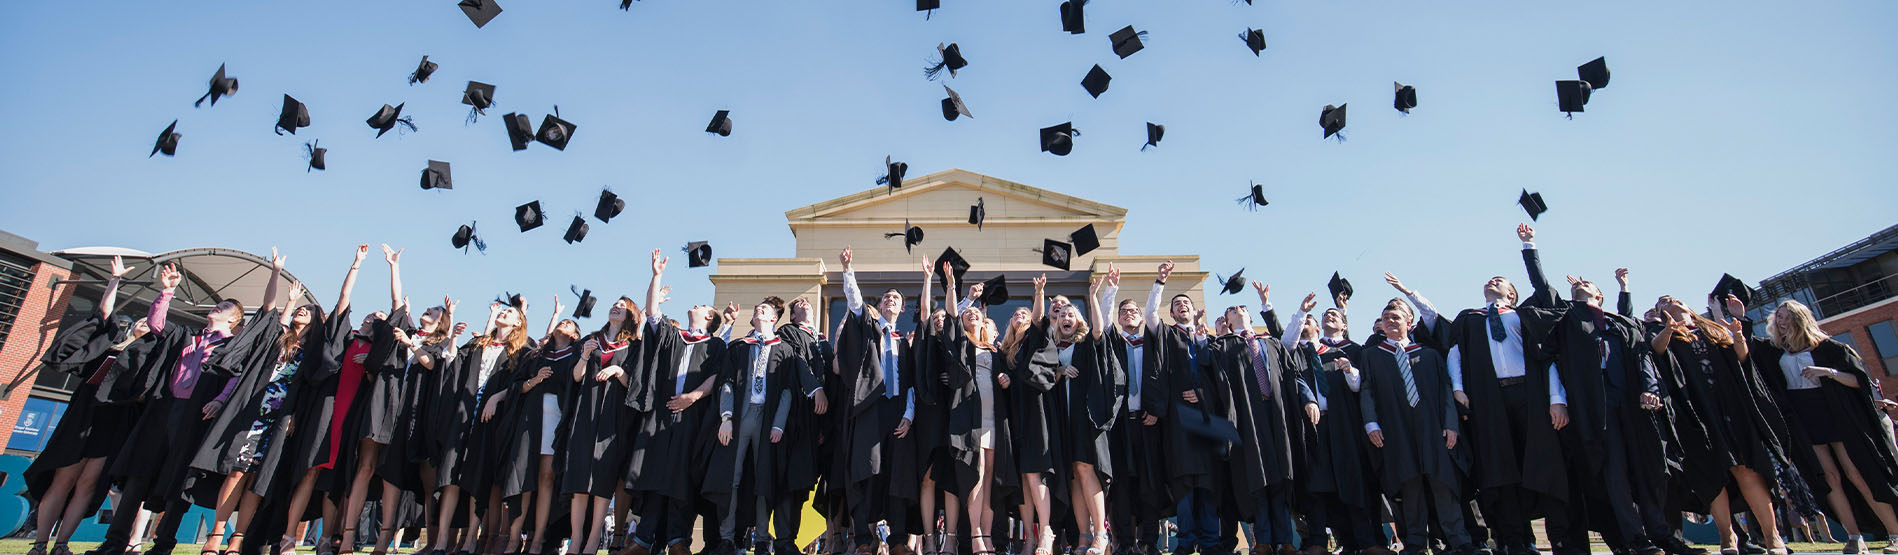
(191, 361)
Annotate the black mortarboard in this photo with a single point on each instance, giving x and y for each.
(1096, 81)
(555, 132)
(1059, 139)
(465, 235)
(1194, 420)
(529, 216)
(294, 115)
(698, 254)
(912, 235)
(1254, 39)
(315, 155)
(1085, 241)
(947, 57)
(1406, 97)
(1057, 254)
(953, 107)
(221, 87)
(480, 11)
(957, 265)
(1332, 119)
(977, 213)
(1595, 72)
(167, 141)
(625, 5)
(1730, 285)
(927, 5)
(1126, 41)
(1339, 286)
(1073, 16)
(1532, 203)
(1571, 96)
(576, 231)
(436, 176)
(1154, 132)
(1254, 198)
(893, 174)
(583, 308)
(721, 124)
(520, 130)
(388, 117)
(422, 71)
(513, 300)
(995, 291)
(479, 95)
(1233, 284)
(610, 205)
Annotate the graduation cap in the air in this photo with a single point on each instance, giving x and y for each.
(977, 212)
(1339, 287)
(995, 291)
(529, 216)
(423, 70)
(1056, 254)
(1571, 96)
(1254, 198)
(1059, 139)
(610, 205)
(437, 176)
(584, 307)
(1254, 39)
(1595, 73)
(520, 130)
(514, 300)
(1154, 132)
(1074, 16)
(480, 11)
(555, 132)
(928, 6)
(1332, 119)
(952, 107)
(1406, 97)
(1730, 285)
(1096, 81)
(698, 254)
(294, 115)
(912, 235)
(893, 174)
(1126, 41)
(721, 124)
(221, 87)
(947, 57)
(957, 265)
(315, 155)
(576, 231)
(388, 117)
(1085, 240)
(1532, 203)
(465, 235)
(480, 96)
(1235, 283)
(625, 5)
(167, 141)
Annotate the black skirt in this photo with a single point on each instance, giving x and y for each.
(384, 406)
(1819, 418)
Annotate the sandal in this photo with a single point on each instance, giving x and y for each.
(60, 549)
(39, 548)
(235, 545)
(383, 545)
(975, 549)
(287, 546)
(949, 544)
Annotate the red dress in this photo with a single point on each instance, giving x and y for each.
(347, 382)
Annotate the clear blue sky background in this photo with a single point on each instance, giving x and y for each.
(1742, 136)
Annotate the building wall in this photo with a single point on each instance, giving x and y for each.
(33, 332)
(1856, 323)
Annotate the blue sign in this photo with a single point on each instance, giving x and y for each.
(37, 420)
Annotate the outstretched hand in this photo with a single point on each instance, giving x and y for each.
(276, 260)
(392, 256)
(169, 277)
(658, 262)
(1041, 282)
(844, 258)
(1310, 302)
(1265, 293)
(1734, 306)
(1525, 233)
(119, 270)
(1113, 275)
(1396, 283)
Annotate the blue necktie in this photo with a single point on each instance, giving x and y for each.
(1496, 324)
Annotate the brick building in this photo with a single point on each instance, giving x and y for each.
(1854, 292)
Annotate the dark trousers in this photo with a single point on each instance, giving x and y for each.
(786, 518)
(1424, 496)
(1507, 508)
(663, 521)
(1198, 521)
(870, 499)
(1355, 527)
(184, 422)
(1135, 517)
(1272, 524)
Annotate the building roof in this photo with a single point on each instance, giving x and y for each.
(211, 274)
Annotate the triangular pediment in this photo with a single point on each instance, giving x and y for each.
(947, 195)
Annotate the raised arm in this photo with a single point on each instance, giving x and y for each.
(1109, 297)
(349, 281)
(394, 257)
(1038, 306)
(553, 320)
(1095, 325)
(1153, 297)
(948, 295)
(110, 299)
(1426, 312)
(1736, 326)
(270, 289)
(1624, 302)
(653, 314)
(948, 280)
(853, 295)
(1540, 293)
(1296, 325)
(289, 310)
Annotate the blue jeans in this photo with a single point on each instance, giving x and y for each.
(1274, 524)
(1198, 521)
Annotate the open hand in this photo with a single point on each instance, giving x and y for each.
(1310, 302)
(820, 403)
(777, 435)
(392, 256)
(169, 277)
(1113, 275)
(1525, 233)
(1396, 283)
(276, 260)
(119, 270)
(1311, 413)
(1265, 293)
(679, 403)
(658, 262)
(902, 429)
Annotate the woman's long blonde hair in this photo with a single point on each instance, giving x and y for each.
(516, 339)
(1806, 333)
(1013, 337)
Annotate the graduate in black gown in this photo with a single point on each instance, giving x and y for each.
(64, 479)
(976, 430)
(805, 458)
(370, 422)
(1183, 369)
(465, 442)
(1087, 397)
(406, 467)
(667, 464)
(153, 464)
(540, 395)
(598, 425)
(1260, 391)
(1138, 500)
(878, 368)
(760, 376)
(1346, 497)
(1411, 420)
(930, 430)
(1035, 421)
(1828, 397)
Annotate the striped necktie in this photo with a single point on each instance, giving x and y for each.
(1403, 367)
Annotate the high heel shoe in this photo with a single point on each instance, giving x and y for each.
(234, 546)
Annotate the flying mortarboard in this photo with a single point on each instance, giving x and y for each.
(947, 57)
(555, 132)
(1406, 97)
(1056, 254)
(610, 205)
(995, 291)
(1085, 240)
(576, 231)
(1730, 285)
(520, 130)
(1332, 119)
(167, 141)
(1059, 139)
(1254, 198)
(698, 254)
(480, 11)
(529, 216)
(1571, 96)
(977, 212)
(1074, 16)
(437, 176)
(957, 265)
(1532, 203)
(1235, 283)
(315, 155)
(1595, 73)
(893, 174)
(479, 95)
(423, 70)
(1339, 287)
(928, 6)
(221, 87)
(952, 107)
(465, 235)
(1127, 41)
(912, 235)
(1254, 39)
(295, 114)
(721, 124)
(388, 117)
(1154, 132)
(584, 307)
(1096, 81)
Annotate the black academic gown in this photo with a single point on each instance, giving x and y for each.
(1741, 421)
(805, 428)
(153, 437)
(317, 379)
(1263, 462)
(410, 448)
(1343, 462)
(471, 450)
(673, 450)
(520, 469)
(930, 430)
(597, 429)
(100, 415)
(1138, 449)
(783, 369)
(957, 356)
(252, 354)
(872, 416)
(1038, 422)
(1413, 436)
(1867, 430)
(1573, 342)
(1177, 363)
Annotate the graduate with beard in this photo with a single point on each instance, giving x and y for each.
(878, 366)
(1341, 479)
(1138, 498)
(757, 381)
(805, 458)
(1410, 418)
(1195, 469)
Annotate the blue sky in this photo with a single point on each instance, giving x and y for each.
(1746, 139)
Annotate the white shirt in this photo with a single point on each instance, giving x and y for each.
(1135, 350)
(1793, 365)
(760, 358)
(685, 365)
(888, 340)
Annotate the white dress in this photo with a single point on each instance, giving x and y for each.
(985, 389)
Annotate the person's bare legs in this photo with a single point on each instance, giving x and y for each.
(367, 452)
(544, 503)
(1760, 500)
(928, 506)
(299, 500)
(597, 536)
(1850, 469)
(1841, 508)
(622, 516)
(978, 506)
(1040, 503)
(246, 510)
(439, 531)
(81, 498)
(951, 518)
(1090, 505)
(53, 504)
(577, 504)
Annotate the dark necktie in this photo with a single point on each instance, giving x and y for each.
(1496, 324)
(1259, 369)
